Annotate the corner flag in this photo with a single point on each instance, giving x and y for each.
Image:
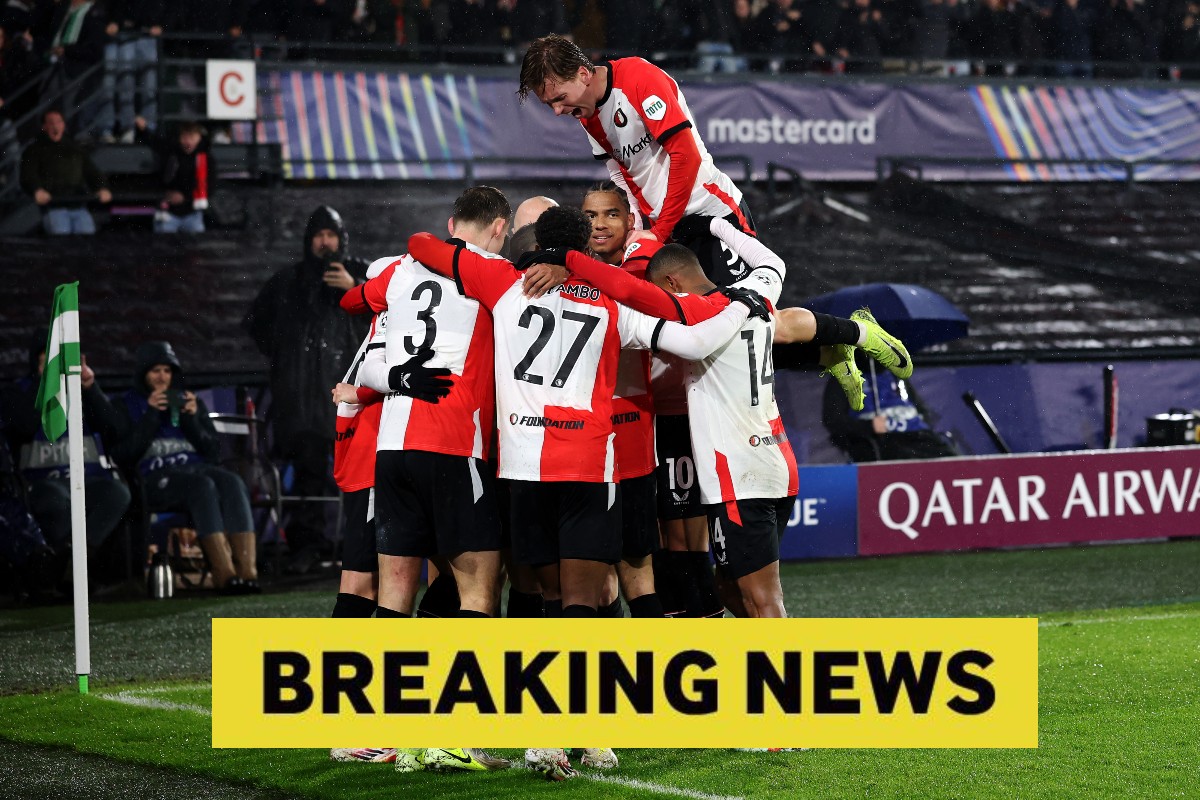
(60, 403)
(62, 358)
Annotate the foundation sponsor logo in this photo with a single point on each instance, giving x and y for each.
(546, 422)
(778, 130)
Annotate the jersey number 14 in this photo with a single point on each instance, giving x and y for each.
(765, 377)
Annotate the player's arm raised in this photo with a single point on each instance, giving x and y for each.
(767, 270)
(627, 290)
(370, 296)
(692, 342)
(477, 276)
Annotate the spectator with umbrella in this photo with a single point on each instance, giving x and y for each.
(893, 423)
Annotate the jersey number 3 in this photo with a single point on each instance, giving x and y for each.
(425, 315)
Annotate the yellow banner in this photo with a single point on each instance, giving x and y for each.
(625, 683)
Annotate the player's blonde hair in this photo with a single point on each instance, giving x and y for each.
(550, 57)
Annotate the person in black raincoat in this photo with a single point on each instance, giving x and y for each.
(309, 342)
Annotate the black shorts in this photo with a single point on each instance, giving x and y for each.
(358, 540)
(503, 505)
(567, 519)
(721, 266)
(749, 541)
(639, 517)
(429, 504)
(678, 489)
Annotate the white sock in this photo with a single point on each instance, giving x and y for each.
(862, 333)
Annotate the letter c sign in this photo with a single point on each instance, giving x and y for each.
(231, 89)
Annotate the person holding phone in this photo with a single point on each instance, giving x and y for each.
(171, 444)
(308, 342)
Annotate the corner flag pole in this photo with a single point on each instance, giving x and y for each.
(60, 403)
(79, 565)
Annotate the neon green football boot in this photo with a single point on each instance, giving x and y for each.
(882, 346)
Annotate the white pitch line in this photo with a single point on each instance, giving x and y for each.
(1102, 620)
(136, 699)
(182, 687)
(657, 788)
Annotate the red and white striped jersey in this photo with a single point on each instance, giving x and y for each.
(641, 110)
(738, 441)
(426, 310)
(633, 416)
(357, 430)
(556, 363)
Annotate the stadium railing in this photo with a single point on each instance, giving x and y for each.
(1095, 169)
(508, 56)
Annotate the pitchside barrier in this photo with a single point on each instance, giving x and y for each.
(995, 502)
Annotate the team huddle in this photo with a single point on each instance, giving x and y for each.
(592, 416)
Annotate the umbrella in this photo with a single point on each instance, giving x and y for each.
(920, 317)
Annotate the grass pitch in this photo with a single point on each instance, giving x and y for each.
(1119, 696)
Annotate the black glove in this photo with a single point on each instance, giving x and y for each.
(691, 228)
(751, 299)
(552, 255)
(414, 379)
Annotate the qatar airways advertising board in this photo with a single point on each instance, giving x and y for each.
(1021, 501)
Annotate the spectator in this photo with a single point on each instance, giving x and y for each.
(824, 31)
(308, 341)
(60, 175)
(261, 18)
(777, 30)
(893, 424)
(169, 441)
(1035, 35)
(994, 37)
(217, 22)
(188, 172)
(933, 29)
(18, 17)
(627, 24)
(318, 20)
(77, 42)
(1183, 45)
(474, 24)
(864, 33)
(45, 465)
(16, 68)
(719, 31)
(132, 55)
(427, 23)
(28, 566)
(1122, 34)
(1073, 38)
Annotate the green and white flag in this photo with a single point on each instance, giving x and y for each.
(62, 359)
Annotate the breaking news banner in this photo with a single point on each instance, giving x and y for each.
(627, 683)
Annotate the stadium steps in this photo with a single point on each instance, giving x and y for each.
(136, 286)
(1020, 298)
